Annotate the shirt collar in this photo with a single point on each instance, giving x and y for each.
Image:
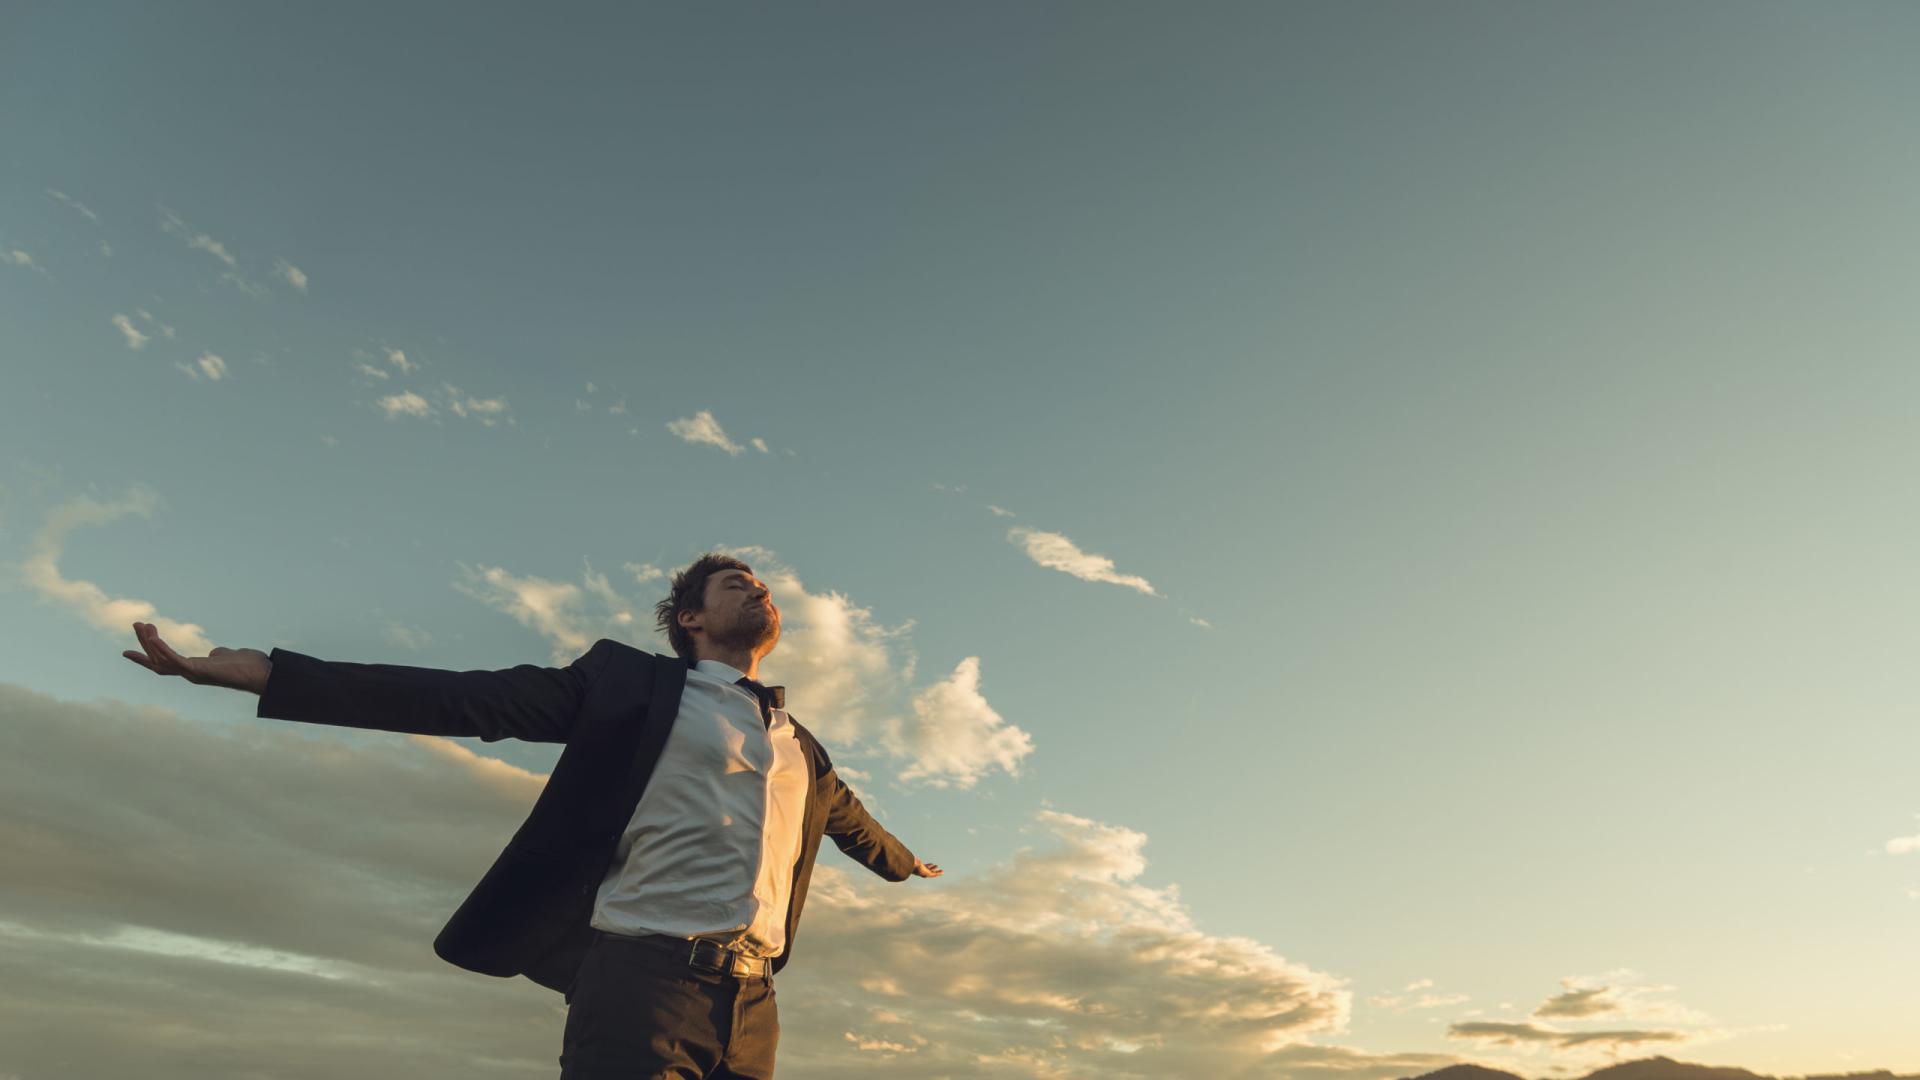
(720, 669)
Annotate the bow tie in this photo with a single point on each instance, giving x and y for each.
(771, 697)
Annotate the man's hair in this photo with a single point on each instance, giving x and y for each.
(689, 593)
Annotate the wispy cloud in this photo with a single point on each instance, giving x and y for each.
(701, 427)
(208, 364)
(555, 610)
(372, 372)
(399, 359)
(135, 339)
(489, 411)
(147, 317)
(411, 638)
(68, 200)
(1056, 552)
(196, 240)
(17, 257)
(292, 274)
(41, 572)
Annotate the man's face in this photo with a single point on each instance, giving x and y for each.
(739, 613)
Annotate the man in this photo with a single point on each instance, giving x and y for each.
(658, 881)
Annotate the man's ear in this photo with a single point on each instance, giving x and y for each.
(688, 618)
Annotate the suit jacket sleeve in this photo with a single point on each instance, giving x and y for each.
(861, 837)
(537, 704)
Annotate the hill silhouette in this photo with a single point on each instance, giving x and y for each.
(1655, 1068)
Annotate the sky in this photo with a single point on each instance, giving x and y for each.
(1362, 536)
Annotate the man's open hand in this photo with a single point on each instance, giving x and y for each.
(926, 869)
(240, 669)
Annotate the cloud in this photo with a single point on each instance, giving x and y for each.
(958, 736)
(701, 427)
(1056, 552)
(489, 411)
(399, 359)
(183, 895)
(209, 365)
(76, 204)
(147, 317)
(848, 676)
(294, 275)
(553, 609)
(1514, 1034)
(412, 638)
(195, 240)
(21, 258)
(1199, 622)
(406, 403)
(135, 339)
(759, 444)
(40, 570)
(1402, 1001)
(372, 372)
(999, 511)
(1613, 996)
(1904, 845)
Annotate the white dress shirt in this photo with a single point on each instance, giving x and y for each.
(709, 851)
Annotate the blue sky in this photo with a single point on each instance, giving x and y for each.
(1410, 494)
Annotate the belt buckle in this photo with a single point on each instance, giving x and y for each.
(728, 962)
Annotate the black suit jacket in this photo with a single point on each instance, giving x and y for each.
(612, 707)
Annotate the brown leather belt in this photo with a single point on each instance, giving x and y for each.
(701, 954)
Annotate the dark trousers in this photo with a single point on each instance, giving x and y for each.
(637, 1014)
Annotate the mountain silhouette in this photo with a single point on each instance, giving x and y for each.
(1654, 1068)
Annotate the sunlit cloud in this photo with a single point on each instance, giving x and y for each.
(17, 257)
(1417, 994)
(213, 367)
(372, 372)
(41, 572)
(849, 677)
(292, 274)
(702, 428)
(399, 359)
(405, 403)
(759, 444)
(489, 411)
(957, 737)
(1056, 552)
(196, 240)
(167, 901)
(135, 339)
(147, 317)
(555, 610)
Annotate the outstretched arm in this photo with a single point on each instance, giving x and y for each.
(537, 704)
(866, 841)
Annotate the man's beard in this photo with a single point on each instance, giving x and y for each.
(748, 634)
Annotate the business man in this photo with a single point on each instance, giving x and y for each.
(658, 881)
